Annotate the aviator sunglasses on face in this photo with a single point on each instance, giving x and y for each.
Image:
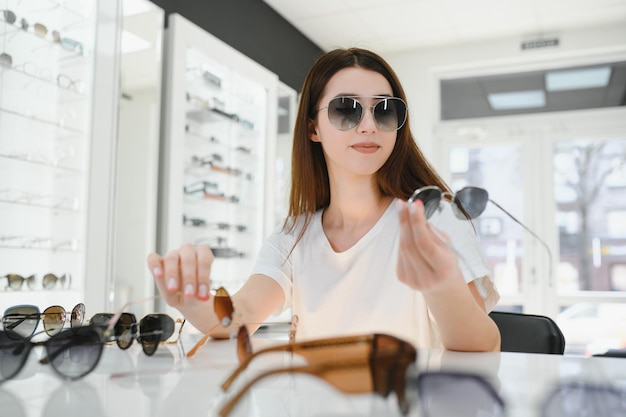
(346, 112)
(152, 330)
(24, 319)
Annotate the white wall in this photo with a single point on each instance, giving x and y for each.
(420, 70)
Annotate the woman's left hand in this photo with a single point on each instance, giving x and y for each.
(425, 261)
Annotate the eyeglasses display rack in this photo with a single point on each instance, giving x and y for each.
(47, 56)
(219, 146)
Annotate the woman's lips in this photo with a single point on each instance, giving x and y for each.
(365, 147)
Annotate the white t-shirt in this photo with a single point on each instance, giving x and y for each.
(357, 291)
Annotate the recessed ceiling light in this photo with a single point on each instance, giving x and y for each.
(578, 79)
(517, 100)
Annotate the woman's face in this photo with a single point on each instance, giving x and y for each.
(362, 150)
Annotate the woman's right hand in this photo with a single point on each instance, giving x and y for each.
(182, 277)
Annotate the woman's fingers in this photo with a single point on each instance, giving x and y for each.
(183, 275)
(203, 271)
(424, 259)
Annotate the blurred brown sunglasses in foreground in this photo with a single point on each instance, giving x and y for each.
(371, 363)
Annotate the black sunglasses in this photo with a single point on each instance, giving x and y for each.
(24, 319)
(72, 353)
(467, 203)
(346, 112)
(152, 330)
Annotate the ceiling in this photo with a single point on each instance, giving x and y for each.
(393, 26)
(389, 26)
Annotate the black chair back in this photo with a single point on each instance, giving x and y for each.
(528, 333)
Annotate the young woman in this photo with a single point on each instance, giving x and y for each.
(353, 256)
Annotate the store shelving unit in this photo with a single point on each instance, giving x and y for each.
(47, 78)
(218, 150)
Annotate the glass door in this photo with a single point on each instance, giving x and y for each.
(564, 177)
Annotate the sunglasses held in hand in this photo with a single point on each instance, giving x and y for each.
(467, 203)
(224, 310)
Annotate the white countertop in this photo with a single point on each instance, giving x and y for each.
(128, 383)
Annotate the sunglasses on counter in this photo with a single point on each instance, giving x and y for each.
(24, 319)
(371, 363)
(346, 112)
(72, 353)
(467, 203)
(151, 331)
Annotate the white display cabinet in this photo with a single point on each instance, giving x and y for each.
(48, 210)
(219, 147)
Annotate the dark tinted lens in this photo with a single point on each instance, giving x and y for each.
(125, 330)
(13, 354)
(150, 333)
(583, 400)
(6, 59)
(22, 320)
(167, 326)
(100, 319)
(53, 320)
(9, 16)
(223, 306)
(430, 197)
(344, 113)
(459, 395)
(390, 113)
(470, 202)
(78, 315)
(75, 352)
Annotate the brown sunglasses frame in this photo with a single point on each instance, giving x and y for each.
(388, 367)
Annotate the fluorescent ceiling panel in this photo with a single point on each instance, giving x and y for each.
(517, 100)
(578, 79)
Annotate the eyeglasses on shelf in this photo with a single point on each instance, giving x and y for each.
(16, 281)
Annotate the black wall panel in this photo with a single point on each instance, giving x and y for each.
(255, 29)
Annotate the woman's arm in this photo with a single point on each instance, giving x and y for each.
(427, 264)
(182, 277)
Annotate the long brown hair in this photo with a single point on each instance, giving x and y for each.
(406, 169)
